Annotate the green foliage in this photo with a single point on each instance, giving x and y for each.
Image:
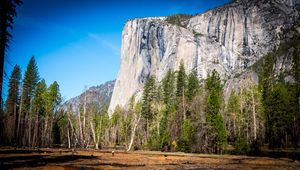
(219, 127)
(281, 113)
(213, 82)
(213, 116)
(116, 115)
(241, 146)
(179, 19)
(168, 84)
(193, 86)
(149, 95)
(39, 100)
(53, 98)
(12, 101)
(30, 81)
(164, 131)
(233, 104)
(196, 34)
(181, 80)
(187, 136)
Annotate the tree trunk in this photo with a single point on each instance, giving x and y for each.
(253, 114)
(45, 131)
(83, 125)
(72, 129)
(15, 123)
(80, 129)
(36, 129)
(30, 123)
(183, 104)
(94, 135)
(19, 119)
(137, 120)
(69, 141)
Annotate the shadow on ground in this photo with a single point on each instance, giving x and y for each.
(37, 160)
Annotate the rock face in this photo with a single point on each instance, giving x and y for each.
(96, 96)
(228, 39)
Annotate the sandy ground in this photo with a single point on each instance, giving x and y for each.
(67, 159)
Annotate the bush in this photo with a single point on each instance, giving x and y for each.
(179, 19)
(242, 146)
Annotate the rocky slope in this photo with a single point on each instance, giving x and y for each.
(96, 96)
(229, 39)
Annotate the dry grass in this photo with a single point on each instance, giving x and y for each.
(64, 159)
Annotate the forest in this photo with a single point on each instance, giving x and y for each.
(179, 113)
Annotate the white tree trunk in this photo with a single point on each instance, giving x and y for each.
(69, 141)
(137, 120)
(94, 135)
(84, 121)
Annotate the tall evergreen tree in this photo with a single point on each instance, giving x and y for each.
(30, 81)
(12, 102)
(13, 91)
(193, 85)
(7, 14)
(181, 91)
(149, 94)
(53, 99)
(168, 85)
(214, 117)
(39, 102)
(181, 80)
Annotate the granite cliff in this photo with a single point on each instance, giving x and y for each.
(229, 39)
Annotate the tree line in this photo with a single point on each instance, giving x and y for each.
(31, 109)
(178, 113)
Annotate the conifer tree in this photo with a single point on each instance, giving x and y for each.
(39, 102)
(12, 102)
(30, 81)
(181, 90)
(149, 95)
(53, 99)
(13, 91)
(168, 85)
(193, 85)
(7, 14)
(181, 80)
(214, 117)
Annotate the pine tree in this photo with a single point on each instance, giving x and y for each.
(7, 14)
(53, 99)
(233, 111)
(39, 102)
(149, 95)
(181, 90)
(12, 102)
(181, 80)
(30, 81)
(168, 85)
(193, 85)
(214, 117)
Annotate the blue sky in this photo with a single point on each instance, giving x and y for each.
(77, 42)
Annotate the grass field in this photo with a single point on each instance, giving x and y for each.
(68, 159)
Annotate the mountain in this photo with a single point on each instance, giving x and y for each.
(229, 39)
(96, 96)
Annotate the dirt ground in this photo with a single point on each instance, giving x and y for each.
(68, 159)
